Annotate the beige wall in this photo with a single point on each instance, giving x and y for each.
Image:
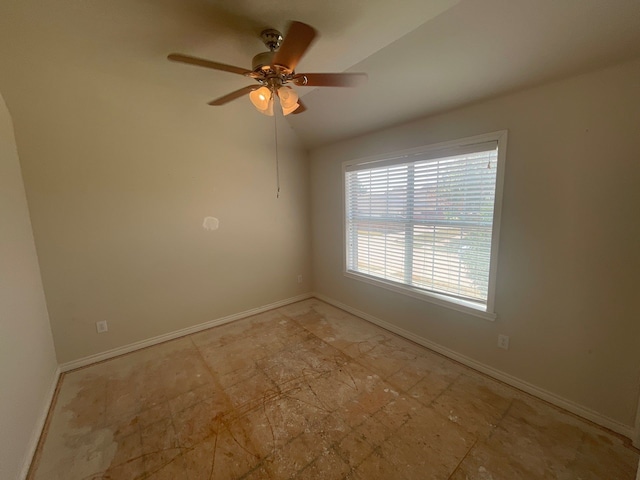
(27, 358)
(569, 262)
(120, 175)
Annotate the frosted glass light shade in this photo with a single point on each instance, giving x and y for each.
(262, 99)
(269, 110)
(287, 111)
(288, 99)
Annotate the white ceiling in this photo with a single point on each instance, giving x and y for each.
(421, 56)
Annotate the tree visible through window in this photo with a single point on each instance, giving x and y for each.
(425, 220)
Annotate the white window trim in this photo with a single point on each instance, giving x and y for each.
(460, 305)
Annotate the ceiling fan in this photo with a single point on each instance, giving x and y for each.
(275, 69)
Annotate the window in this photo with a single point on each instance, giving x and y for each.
(425, 222)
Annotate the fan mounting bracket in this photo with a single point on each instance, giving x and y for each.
(272, 38)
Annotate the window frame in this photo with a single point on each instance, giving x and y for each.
(461, 305)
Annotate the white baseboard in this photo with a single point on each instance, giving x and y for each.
(39, 426)
(626, 430)
(98, 357)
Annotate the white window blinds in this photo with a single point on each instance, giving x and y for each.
(425, 220)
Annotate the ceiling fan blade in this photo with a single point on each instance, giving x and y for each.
(233, 95)
(329, 79)
(300, 109)
(201, 62)
(295, 44)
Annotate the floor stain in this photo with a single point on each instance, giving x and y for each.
(309, 391)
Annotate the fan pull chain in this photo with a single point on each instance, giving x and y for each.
(275, 124)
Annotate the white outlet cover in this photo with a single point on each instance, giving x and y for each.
(102, 326)
(503, 342)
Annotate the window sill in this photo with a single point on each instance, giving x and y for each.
(459, 305)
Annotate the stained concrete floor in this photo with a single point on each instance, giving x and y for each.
(309, 391)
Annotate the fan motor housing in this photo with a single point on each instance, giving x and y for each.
(262, 61)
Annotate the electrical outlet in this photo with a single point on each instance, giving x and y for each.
(102, 326)
(503, 342)
(299, 278)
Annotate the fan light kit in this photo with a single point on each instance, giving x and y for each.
(274, 69)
